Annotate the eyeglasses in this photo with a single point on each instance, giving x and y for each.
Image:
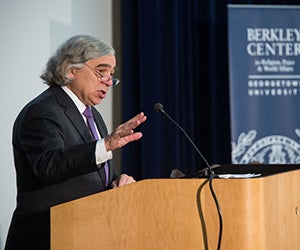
(104, 78)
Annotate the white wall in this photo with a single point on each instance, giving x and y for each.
(30, 32)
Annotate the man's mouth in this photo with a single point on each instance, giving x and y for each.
(102, 93)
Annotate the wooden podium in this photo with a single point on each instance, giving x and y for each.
(258, 213)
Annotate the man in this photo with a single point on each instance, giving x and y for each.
(61, 153)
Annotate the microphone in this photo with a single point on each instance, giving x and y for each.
(158, 107)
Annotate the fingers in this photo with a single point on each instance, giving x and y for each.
(134, 122)
(128, 127)
(123, 180)
(124, 133)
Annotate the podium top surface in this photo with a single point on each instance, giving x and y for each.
(245, 170)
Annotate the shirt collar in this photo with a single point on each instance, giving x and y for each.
(80, 105)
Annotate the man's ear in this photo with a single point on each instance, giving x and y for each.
(71, 73)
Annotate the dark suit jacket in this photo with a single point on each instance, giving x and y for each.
(54, 155)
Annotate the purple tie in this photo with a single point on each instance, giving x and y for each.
(91, 123)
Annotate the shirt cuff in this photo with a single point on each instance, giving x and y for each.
(100, 153)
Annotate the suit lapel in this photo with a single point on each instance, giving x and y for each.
(72, 113)
(76, 119)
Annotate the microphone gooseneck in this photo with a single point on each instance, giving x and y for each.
(158, 107)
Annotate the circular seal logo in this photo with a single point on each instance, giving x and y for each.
(274, 149)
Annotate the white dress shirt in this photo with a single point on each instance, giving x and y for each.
(100, 153)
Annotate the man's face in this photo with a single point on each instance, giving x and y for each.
(88, 84)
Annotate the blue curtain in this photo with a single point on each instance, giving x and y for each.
(175, 52)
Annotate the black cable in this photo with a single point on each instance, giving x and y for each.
(158, 107)
(211, 177)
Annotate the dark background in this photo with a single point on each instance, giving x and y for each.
(176, 52)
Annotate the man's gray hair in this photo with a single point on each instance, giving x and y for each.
(73, 54)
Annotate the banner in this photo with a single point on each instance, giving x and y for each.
(264, 70)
